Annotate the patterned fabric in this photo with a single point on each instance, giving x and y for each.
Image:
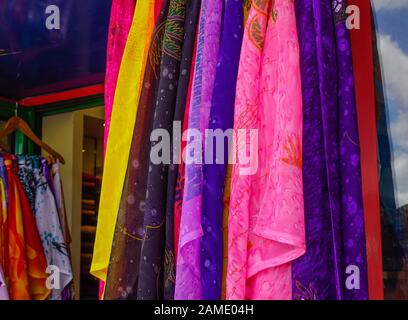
(225, 217)
(124, 265)
(59, 200)
(331, 167)
(266, 221)
(150, 284)
(120, 21)
(181, 174)
(49, 228)
(3, 287)
(190, 27)
(188, 279)
(26, 177)
(120, 133)
(352, 210)
(4, 256)
(27, 262)
(221, 117)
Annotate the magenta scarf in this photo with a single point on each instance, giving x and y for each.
(120, 22)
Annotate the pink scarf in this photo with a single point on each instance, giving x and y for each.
(266, 221)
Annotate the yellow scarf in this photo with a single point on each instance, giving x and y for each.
(123, 118)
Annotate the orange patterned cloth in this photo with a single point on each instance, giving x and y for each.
(26, 269)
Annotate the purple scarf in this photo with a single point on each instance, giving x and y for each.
(221, 117)
(334, 215)
(188, 273)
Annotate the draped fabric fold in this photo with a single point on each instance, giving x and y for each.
(188, 278)
(190, 28)
(331, 167)
(27, 264)
(123, 274)
(214, 173)
(120, 21)
(266, 221)
(123, 117)
(151, 268)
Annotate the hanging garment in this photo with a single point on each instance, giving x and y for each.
(60, 202)
(120, 22)
(225, 217)
(190, 28)
(316, 275)
(27, 263)
(49, 227)
(123, 272)
(266, 227)
(4, 255)
(27, 180)
(332, 179)
(120, 133)
(214, 173)
(150, 284)
(3, 287)
(352, 210)
(188, 279)
(181, 174)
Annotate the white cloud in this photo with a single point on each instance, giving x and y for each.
(395, 70)
(394, 64)
(390, 4)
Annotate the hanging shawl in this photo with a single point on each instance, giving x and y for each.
(190, 27)
(122, 123)
(188, 279)
(221, 117)
(120, 22)
(150, 284)
(354, 244)
(266, 223)
(3, 287)
(27, 262)
(4, 257)
(181, 174)
(332, 179)
(123, 272)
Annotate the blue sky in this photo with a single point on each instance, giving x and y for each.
(392, 22)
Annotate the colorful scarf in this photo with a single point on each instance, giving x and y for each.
(188, 279)
(26, 272)
(3, 287)
(129, 233)
(190, 28)
(120, 21)
(120, 136)
(331, 168)
(266, 221)
(153, 245)
(221, 118)
(181, 174)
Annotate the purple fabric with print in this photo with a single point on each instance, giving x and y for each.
(188, 271)
(221, 117)
(334, 213)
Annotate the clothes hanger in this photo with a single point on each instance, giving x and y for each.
(16, 123)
